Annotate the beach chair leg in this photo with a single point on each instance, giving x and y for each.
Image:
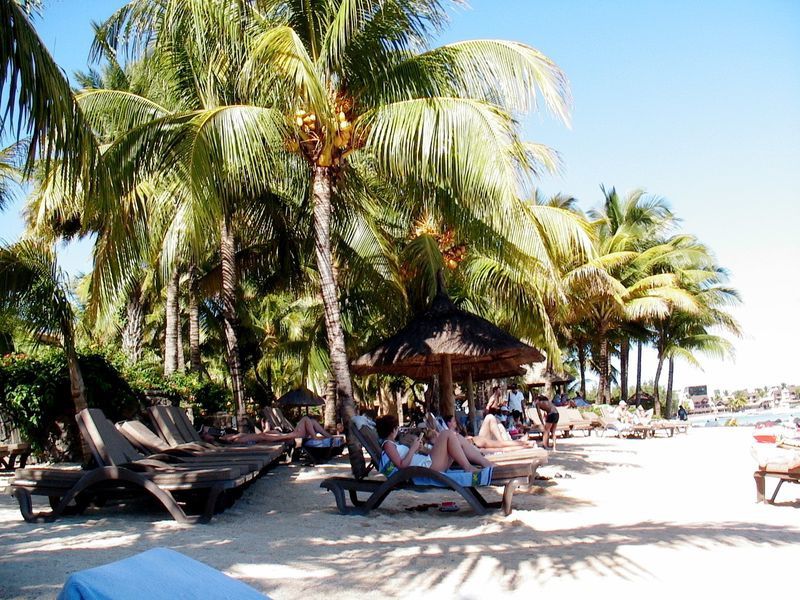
(777, 489)
(508, 495)
(338, 494)
(25, 505)
(354, 498)
(760, 486)
(210, 507)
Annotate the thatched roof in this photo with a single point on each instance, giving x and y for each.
(541, 374)
(300, 397)
(473, 344)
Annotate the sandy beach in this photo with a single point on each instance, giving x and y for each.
(655, 517)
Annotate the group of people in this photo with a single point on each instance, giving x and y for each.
(447, 447)
(506, 406)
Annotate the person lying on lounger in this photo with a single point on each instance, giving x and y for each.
(448, 448)
(306, 428)
(490, 436)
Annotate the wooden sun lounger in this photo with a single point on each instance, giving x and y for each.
(72, 491)
(785, 471)
(206, 485)
(570, 420)
(510, 476)
(314, 454)
(173, 425)
(9, 453)
(259, 456)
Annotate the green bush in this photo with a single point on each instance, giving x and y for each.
(204, 396)
(35, 398)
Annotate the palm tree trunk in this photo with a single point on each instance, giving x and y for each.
(195, 360)
(638, 373)
(330, 403)
(230, 317)
(133, 332)
(387, 403)
(171, 333)
(670, 374)
(602, 392)
(322, 191)
(582, 367)
(399, 397)
(77, 389)
(657, 406)
(322, 196)
(181, 357)
(624, 353)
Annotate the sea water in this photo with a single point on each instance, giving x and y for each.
(748, 418)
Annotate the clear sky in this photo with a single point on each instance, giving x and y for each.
(698, 102)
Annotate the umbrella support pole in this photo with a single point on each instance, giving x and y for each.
(446, 402)
(473, 416)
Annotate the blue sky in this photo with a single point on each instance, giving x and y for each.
(695, 102)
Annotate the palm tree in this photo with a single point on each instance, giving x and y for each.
(36, 290)
(341, 86)
(39, 101)
(634, 223)
(682, 333)
(11, 158)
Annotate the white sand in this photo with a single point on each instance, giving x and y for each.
(656, 517)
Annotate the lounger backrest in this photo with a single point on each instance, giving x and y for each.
(368, 438)
(108, 445)
(274, 420)
(435, 423)
(184, 425)
(160, 418)
(139, 435)
(266, 414)
(283, 422)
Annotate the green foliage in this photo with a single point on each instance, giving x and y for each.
(203, 395)
(738, 402)
(35, 398)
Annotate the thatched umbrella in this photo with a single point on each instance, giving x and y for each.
(300, 397)
(448, 342)
(544, 375)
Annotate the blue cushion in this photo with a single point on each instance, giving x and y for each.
(462, 478)
(157, 574)
(331, 442)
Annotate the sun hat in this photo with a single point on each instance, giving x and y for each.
(623, 403)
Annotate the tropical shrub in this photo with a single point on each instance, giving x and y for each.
(35, 398)
(202, 395)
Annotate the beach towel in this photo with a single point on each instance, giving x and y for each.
(331, 442)
(157, 574)
(462, 478)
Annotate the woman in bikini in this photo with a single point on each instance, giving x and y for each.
(548, 416)
(490, 436)
(306, 428)
(448, 448)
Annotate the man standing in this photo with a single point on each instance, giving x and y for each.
(515, 398)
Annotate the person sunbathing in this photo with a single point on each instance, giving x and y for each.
(306, 428)
(642, 416)
(490, 437)
(448, 448)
